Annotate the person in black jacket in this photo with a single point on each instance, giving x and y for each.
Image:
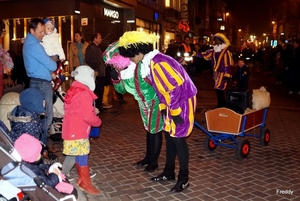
(242, 75)
(293, 69)
(172, 49)
(94, 59)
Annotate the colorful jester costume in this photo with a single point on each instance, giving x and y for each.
(177, 96)
(133, 79)
(221, 61)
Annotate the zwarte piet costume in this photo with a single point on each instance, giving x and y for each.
(133, 79)
(177, 95)
(221, 61)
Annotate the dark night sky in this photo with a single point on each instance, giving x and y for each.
(256, 13)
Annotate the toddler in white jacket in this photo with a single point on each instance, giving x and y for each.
(51, 40)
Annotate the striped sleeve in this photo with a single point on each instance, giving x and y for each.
(228, 62)
(168, 81)
(166, 77)
(205, 55)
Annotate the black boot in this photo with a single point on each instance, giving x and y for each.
(156, 141)
(121, 99)
(183, 181)
(147, 158)
(167, 174)
(171, 152)
(221, 98)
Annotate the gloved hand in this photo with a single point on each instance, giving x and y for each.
(114, 74)
(163, 113)
(177, 120)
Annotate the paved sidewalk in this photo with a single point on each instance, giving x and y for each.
(269, 173)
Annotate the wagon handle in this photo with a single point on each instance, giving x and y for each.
(223, 115)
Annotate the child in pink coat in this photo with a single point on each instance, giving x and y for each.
(80, 116)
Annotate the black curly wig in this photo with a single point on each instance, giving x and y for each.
(135, 49)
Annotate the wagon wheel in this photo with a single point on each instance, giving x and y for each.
(265, 137)
(243, 148)
(209, 144)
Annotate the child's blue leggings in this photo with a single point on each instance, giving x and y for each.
(82, 160)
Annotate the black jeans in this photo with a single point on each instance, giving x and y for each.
(221, 98)
(179, 147)
(99, 91)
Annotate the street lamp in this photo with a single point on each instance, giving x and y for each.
(227, 24)
(274, 29)
(239, 37)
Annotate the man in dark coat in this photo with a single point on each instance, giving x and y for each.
(94, 59)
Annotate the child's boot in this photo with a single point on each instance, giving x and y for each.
(84, 180)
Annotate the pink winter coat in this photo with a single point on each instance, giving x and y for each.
(79, 112)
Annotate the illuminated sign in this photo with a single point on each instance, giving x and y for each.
(155, 16)
(183, 23)
(184, 26)
(84, 21)
(111, 13)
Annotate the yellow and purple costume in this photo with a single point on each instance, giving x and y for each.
(175, 90)
(221, 60)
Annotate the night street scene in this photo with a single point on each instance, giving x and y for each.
(149, 100)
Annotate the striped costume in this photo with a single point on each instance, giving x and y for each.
(175, 90)
(134, 82)
(221, 62)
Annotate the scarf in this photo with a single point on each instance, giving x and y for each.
(80, 54)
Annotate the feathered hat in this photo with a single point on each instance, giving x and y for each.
(136, 37)
(223, 38)
(112, 56)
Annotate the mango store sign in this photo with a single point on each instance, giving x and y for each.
(111, 13)
(184, 22)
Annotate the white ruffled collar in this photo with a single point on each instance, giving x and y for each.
(145, 71)
(145, 66)
(128, 72)
(219, 48)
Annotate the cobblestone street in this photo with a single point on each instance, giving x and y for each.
(268, 173)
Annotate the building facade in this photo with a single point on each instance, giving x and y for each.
(110, 18)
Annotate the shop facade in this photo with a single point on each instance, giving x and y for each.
(108, 18)
(150, 21)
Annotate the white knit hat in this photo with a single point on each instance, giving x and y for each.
(85, 75)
